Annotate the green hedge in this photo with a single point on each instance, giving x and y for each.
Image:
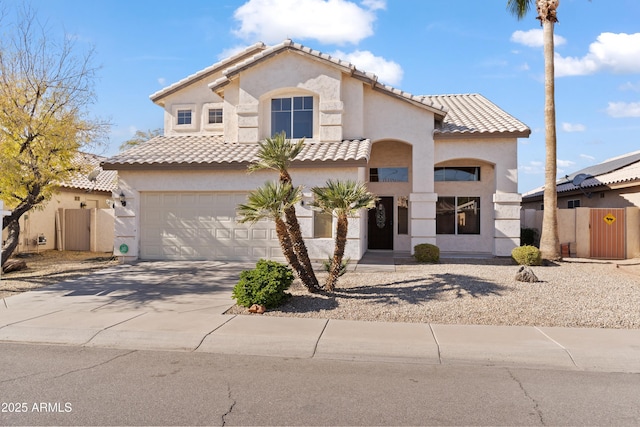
(527, 255)
(426, 252)
(264, 285)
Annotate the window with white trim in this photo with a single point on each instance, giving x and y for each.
(322, 225)
(184, 117)
(458, 215)
(293, 116)
(572, 204)
(215, 115)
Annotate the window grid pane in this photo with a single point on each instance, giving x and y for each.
(215, 115)
(296, 122)
(184, 117)
(458, 215)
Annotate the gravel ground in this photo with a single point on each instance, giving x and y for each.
(580, 293)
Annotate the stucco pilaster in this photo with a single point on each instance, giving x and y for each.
(423, 218)
(507, 222)
(126, 223)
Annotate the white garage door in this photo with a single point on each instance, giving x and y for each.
(202, 226)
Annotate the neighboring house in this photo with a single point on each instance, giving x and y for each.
(444, 167)
(598, 209)
(614, 183)
(77, 217)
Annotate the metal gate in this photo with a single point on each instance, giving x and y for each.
(607, 227)
(77, 225)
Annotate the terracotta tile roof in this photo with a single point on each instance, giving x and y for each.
(207, 150)
(105, 180)
(473, 114)
(347, 67)
(619, 170)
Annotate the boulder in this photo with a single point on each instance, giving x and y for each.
(257, 308)
(526, 274)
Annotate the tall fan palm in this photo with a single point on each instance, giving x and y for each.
(341, 199)
(270, 202)
(547, 14)
(277, 153)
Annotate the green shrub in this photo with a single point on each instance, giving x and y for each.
(528, 236)
(425, 252)
(527, 255)
(326, 265)
(264, 285)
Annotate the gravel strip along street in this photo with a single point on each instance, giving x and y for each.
(478, 292)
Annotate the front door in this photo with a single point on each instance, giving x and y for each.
(381, 224)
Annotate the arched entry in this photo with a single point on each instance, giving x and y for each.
(389, 178)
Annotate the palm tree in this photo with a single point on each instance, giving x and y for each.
(270, 202)
(547, 10)
(277, 153)
(342, 199)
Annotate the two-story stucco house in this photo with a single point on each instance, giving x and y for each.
(444, 167)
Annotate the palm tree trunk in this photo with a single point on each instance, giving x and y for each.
(549, 240)
(287, 248)
(338, 254)
(300, 249)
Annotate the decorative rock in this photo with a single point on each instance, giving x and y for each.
(257, 308)
(526, 274)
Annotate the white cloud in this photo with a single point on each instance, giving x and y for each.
(616, 53)
(573, 127)
(229, 52)
(374, 4)
(623, 109)
(534, 38)
(162, 81)
(387, 71)
(532, 168)
(330, 21)
(635, 87)
(587, 157)
(564, 163)
(524, 67)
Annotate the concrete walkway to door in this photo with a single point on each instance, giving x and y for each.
(180, 306)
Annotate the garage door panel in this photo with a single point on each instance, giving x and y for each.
(202, 226)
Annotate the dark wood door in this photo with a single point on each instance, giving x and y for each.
(381, 224)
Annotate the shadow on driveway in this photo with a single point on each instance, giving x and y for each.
(151, 281)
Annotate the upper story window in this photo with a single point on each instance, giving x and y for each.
(572, 204)
(389, 175)
(293, 116)
(184, 117)
(215, 115)
(456, 173)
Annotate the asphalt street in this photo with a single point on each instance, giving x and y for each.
(71, 385)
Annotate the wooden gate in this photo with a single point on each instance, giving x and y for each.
(607, 227)
(77, 225)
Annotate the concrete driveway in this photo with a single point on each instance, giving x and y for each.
(180, 305)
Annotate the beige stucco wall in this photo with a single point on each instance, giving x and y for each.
(574, 229)
(484, 189)
(132, 183)
(42, 221)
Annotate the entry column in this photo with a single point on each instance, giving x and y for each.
(423, 218)
(507, 223)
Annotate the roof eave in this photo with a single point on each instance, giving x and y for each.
(457, 135)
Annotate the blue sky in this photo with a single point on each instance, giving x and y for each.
(420, 46)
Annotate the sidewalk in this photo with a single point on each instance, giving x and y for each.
(179, 306)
